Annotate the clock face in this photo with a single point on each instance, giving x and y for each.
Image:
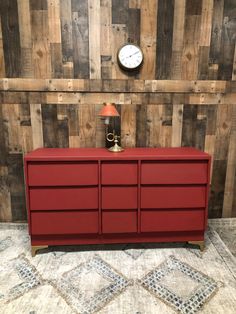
(130, 56)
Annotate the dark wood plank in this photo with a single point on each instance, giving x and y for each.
(165, 20)
(16, 186)
(3, 140)
(38, 4)
(227, 41)
(25, 115)
(66, 30)
(56, 57)
(80, 37)
(217, 189)
(120, 11)
(50, 125)
(11, 37)
(133, 26)
(193, 7)
(63, 133)
(141, 125)
(189, 125)
(211, 119)
(216, 32)
(203, 67)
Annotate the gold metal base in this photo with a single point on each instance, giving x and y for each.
(116, 148)
(35, 248)
(201, 244)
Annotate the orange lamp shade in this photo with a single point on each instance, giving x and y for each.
(108, 110)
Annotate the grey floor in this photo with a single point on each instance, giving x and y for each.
(137, 279)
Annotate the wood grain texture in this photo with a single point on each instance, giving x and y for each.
(58, 65)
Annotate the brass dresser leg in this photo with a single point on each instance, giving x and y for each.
(201, 244)
(35, 248)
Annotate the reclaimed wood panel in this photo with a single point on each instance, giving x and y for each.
(58, 65)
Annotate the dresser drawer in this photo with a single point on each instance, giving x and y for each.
(119, 197)
(119, 173)
(173, 197)
(179, 172)
(172, 220)
(62, 173)
(119, 221)
(69, 222)
(63, 198)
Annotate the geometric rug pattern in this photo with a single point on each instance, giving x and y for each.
(186, 289)
(118, 279)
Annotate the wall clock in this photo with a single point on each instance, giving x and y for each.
(130, 57)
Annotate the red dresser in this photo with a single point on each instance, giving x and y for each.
(90, 195)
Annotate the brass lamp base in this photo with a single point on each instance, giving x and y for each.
(116, 148)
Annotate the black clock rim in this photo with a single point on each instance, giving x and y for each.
(123, 66)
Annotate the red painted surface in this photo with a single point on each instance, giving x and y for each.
(174, 172)
(125, 197)
(172, 220)
(70, 222)
(119, 221)
(119, 173)
(62, 174)
(63, 198)
(91, 195)
(173, 196)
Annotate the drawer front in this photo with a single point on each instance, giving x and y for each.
(173, 197)
(119, 173)
(70, 222)
(57, 174)
(63, 198)
(119, 222)
(119, 197)
(172, 220)
(174, 172)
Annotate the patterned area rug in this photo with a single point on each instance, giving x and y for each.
(119, 279)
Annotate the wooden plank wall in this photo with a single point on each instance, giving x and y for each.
(58, 65)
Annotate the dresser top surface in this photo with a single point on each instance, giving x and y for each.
(169, 153)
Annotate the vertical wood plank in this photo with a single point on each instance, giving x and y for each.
(105, 38)
(37, 125)
(148, 35)
(62, 126)
(50, 125)
(80, 38)
(118, 38)
(128, 125)
(231, 170)
(16, 186)
(216, 32)
(178, 38)
(25, 38)
(189, 125)
(227, 41)
(120, 11)
(87, 125)
(154, 121)
(191, 40)
(165, 19)
(3, 139)
(94, 39)
(223, 128)
(11, 37)
(141, 125)
(206, 23)
(66, 38)
(177, 124)
(54, 28)
(5, 197)
(2, 63)
(234, 65)
(11, 116)
(40, 44)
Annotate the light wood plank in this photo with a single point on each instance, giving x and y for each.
(37, 125)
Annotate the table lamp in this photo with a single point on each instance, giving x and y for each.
(107, 111)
